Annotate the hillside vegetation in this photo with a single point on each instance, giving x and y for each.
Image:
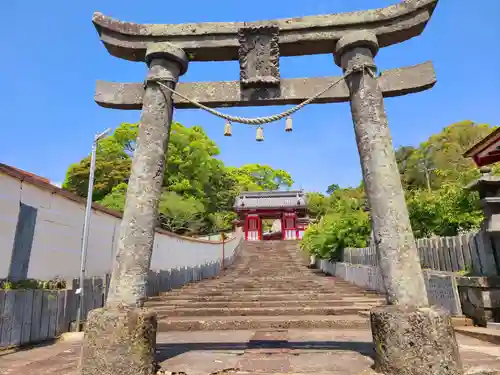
(198, 189)
(433, 175)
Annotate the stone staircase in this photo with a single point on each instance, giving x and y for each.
(268, 287)
(248, 321)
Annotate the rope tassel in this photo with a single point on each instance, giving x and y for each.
(288, 124)
(228, 132)
(260, 134)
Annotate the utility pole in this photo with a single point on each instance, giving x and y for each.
(425, 168)
(427, 176)
(86, 226)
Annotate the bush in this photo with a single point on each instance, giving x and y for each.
(336, 231)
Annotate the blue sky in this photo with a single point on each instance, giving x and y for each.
(51, 57)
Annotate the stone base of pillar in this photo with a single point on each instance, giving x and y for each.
(410, 341)
(119, 342)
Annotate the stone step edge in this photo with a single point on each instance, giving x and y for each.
(490, 335)
(456, 321)
(174, 304)
(182, 293)
(228, 324)
(252, 313)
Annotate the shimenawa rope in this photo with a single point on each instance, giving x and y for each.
(273, 118)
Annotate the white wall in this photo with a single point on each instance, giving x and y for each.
(10, 195)
(58, 234)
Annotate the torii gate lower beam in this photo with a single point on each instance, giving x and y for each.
(393, 82)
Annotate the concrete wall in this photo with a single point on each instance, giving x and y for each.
(441, 286)
(46, 242)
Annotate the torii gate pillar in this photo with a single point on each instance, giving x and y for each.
(398, 340)
(121, 337)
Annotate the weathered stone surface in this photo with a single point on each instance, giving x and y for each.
(354, 39)
(217, 41)
(135, 246)
(442, 291)
(414, 341)
(393, 82)
(333, 352)
(170, 52)
(396, 247)
(268, 287)
(119, 342)
(480, 298)
(259, 56)
(221, 323)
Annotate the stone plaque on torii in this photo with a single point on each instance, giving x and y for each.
(409, 336)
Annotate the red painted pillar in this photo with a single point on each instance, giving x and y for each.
(283, 228)
(259, 225)
(246, 227)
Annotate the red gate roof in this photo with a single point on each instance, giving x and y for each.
(270, 200)
(487, 150)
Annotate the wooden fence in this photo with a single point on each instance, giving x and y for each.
(463, 252)
(31, 316)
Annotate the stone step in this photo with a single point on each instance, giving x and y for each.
(309, 303)
(299, 279)
(245, 279)
(252, 296)
(270, 284)
(266, 297)
(247, 291)
(164, 312)
(355, 298)
(264, 289)
(327, 282)
(216, 323)
(231, 291)
(490, 335)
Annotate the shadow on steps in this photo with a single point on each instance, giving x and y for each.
(167, 351)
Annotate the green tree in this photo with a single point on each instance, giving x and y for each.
(442, 152)
(332, 188)
(336, 231)
(317, 204)
(116, 199)
(433, 174)
(198, 189)
(181, 215)
(344, 223)
(257, 177)
(446, 211)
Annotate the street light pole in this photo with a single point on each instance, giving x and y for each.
(86, 225)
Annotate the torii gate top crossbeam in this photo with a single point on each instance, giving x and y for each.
(218, 41)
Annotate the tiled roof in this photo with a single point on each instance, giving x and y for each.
(270, 199)
(43, 183)
(483, 143)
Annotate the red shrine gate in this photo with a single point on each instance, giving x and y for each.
(289, 207)
(487, 150)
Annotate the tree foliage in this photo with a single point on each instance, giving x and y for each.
(345, 224)
(257, 177)
(433, 174)
(198, 189)
(332, 188)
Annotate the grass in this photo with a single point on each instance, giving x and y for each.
(55, 284)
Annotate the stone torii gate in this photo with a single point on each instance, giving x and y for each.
(409, 336)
